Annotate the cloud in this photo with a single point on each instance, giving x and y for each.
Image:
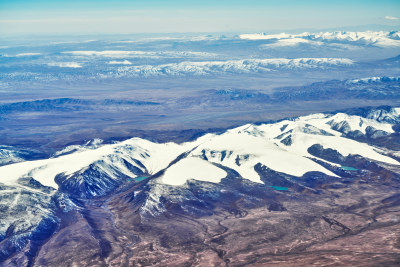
(391, 18)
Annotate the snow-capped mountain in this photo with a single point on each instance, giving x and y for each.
(234, 66)
(380, 39)
(38, 197)
(375, 80)
(113, 69)
(9, 154)
(373, 88)
(239, 149)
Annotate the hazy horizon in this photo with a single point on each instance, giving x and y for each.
(129, 17)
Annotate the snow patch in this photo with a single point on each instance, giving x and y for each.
(192, 168)
(27, 54)
(65, 64)
(109, 53)
(125, 62)
(380, 39)
(291, 42)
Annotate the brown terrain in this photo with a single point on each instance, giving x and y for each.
(354, 221)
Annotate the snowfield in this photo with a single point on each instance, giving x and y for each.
(192, 168)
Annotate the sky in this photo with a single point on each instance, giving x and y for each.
(172, 16)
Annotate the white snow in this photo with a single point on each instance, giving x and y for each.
(192, 168)
(109, 53)
(140, 54)
(65, 64)
(252, 144)
(169, 38)
(391, 18)
(8, 155)
(27, 54)
(359, 123)
(374, 79)
(92, 144)
(45, 170)
(125, 62)
(150, 154)
(345, 146)
(240, 149)
(232, 66)
(380, 39)
(247, 149)
(291, 42)
(264, 36)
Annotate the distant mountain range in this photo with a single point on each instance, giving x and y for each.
(207, 55)
(372, 88)
(380, 39)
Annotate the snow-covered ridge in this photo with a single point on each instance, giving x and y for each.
(232, 66)
(27, 54)
(374, 79)
(65, 64)
(69, 164)
(189, 38)
(391, 116)
(92, 144)
(281, 146)
(138, 54)
(381, 38)
(124, 62)
(8, 155)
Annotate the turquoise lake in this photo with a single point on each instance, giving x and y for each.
(279, 188)
(138, 179)
(346, 168)
(141, 178)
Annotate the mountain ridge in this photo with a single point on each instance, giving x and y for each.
(237, 174)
